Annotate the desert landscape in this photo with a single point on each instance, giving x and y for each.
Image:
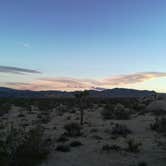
(83, 131)
(82, 82)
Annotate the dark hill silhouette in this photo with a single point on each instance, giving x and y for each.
(108, 93)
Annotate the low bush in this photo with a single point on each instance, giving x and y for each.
(120, 130)
(117, 112)
(159, 125)
(142, 163)
(133, 146)
(4, 108)
(20, 148)
(75, 144)
(108, 147)
(63, 148)
(72, 129)
(62, 138)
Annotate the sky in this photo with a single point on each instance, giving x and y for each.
(83, 44)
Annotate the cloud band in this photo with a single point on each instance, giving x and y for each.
(17, 70)
(72, 84)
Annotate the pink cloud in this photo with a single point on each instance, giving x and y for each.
(72, 84)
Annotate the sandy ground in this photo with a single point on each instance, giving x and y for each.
(95, 135)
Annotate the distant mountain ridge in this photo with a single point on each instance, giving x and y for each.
(108, 93)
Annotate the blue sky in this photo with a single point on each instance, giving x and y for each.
(76, 39)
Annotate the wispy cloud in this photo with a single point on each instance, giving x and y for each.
(17, 70)
(133, 78)
(71, 84)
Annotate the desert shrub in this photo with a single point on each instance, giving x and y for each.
(4, 108)
(32, 150)
(107, 112)
(159, 125)
(75, 143)
(68, 118)
(142, 163)
(108, 147)
(44, 104)
(138, 106)
(121, 112)
(158, 112)
(120, 130)
(73, 129)
(94, 130)
(44, 117)
(117, 112)
(62, 138)
(63, 148)
(62, 109)
(21, 148)
(133, 146)
(20, 115)
(96, 137)
(73, 111)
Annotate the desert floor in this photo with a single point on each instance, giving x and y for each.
(96, 133)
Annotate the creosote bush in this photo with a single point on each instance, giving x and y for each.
(75, 144)
(117, 112)
(20, 148)
(73, 129)
(142, 163)
(133, 146)
(63, 148)
(120, 130)
(159, 125)
(108, 147)
(4, 108)
(62, 138)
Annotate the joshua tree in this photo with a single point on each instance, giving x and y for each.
(82, 99)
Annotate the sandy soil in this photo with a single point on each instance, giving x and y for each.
(95, 135)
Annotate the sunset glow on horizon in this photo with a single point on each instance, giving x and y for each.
(77, 45)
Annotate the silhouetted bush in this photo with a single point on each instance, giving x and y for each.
(120, 130)
(97, 137)
(62, 138)
(107, 112)
(159, 125)
(20, 148)
(142, 163)
(133, 146)
(108, 147)
(73, 129)
(63, 148)
(75, 143)
(4, 108)
(117, 112)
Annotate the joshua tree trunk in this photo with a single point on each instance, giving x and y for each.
(82, 116)
(82, 100)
